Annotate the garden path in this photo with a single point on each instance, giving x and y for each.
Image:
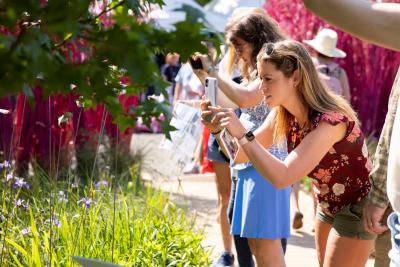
(198, 196)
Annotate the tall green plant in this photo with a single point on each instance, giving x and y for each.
(148, 230)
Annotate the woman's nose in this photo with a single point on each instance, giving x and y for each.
(263, 85)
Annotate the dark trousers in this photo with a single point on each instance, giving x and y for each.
(244, 256)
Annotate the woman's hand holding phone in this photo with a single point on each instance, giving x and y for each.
(226, 118)
(208, 118)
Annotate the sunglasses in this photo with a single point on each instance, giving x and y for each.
(270, 49)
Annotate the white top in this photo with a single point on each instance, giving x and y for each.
(393, 179)
(191, 85)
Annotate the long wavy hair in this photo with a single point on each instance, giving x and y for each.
(289, 56)
(256, 28)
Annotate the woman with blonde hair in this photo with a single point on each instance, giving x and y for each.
(264, 230)
(324, 143)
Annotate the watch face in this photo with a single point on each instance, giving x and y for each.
(250, 136)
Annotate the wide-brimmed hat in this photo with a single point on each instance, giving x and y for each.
(325, 43)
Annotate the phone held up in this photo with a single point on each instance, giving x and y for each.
(211, 93)
(196, 64)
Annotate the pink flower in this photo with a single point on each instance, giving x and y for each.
(352, 137)
(344, 157)
(323, 175)
(333, 117)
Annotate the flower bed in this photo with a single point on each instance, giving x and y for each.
(131, 227)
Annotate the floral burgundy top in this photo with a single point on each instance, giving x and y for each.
(342, 176)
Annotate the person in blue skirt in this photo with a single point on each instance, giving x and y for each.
(261, 213)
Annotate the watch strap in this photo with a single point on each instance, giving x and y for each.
(247, 137)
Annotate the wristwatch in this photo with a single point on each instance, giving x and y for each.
(247, 137)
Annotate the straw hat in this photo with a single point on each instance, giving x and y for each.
(325, 43)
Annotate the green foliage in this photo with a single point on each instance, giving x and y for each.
(38, 48)
(203, 2)
(148, 230)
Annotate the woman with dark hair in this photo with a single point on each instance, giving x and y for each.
(261, 213)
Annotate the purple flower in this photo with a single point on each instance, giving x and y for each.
(101, 184)
(55, 222)
(20, 182)
(20, 203)
(5, 165)
(26, 231)
(87, 202)
(9, 176)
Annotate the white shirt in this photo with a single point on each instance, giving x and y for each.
(393, 178)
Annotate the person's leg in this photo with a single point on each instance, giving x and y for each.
(267, 252)
(298, 216)
(382, 248)
(284, 245)
(223, 182)
(243, 252)
(338, 248)
(322, 230)
(383, 244)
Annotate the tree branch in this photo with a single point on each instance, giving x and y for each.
(106, 10)
(120, 3)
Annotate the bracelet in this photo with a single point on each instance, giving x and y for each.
(217, 132)
(212, 69)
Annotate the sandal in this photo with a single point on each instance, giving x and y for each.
(297, 220)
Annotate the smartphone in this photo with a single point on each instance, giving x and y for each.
(211, 90)
(196, 64)
(211, 93)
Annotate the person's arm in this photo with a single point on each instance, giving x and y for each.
(377, 23)
(344, 82)
(264, 134)
(299, 163)
(244, 96)
(177, 91)
(224, 101)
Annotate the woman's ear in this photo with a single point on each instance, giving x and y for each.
(296, 77)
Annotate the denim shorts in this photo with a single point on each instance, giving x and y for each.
(214, 153)
(394, 225)
(348, 222)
